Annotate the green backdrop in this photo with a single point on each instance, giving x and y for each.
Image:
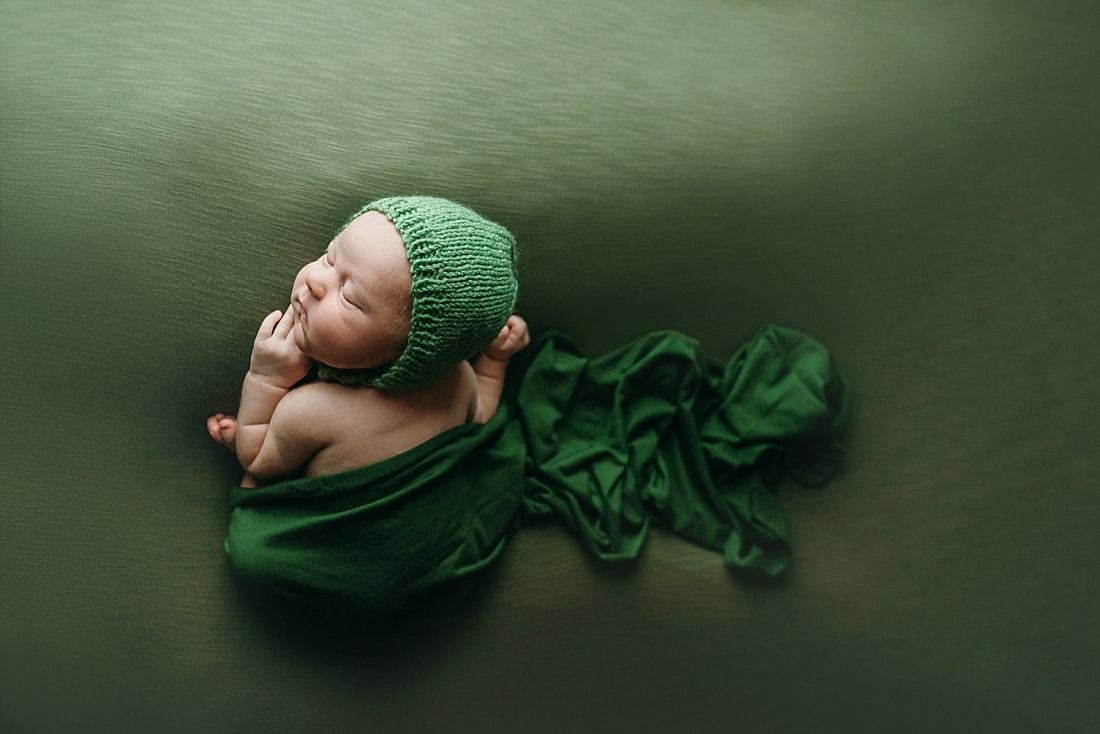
(913, 184)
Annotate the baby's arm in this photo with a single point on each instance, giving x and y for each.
(276, 366)
(493, 362)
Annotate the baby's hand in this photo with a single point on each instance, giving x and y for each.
(512, 338)
(493, 363)
(223, 429)
(276, 358)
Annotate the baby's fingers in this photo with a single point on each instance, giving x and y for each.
(518, 340)
(519, 334)
(512, 338)
(269, 323)
(285, 323)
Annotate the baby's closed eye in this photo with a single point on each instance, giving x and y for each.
(348, 299)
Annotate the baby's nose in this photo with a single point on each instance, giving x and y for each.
(315, 281)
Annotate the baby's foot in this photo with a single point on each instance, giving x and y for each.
(223, 429)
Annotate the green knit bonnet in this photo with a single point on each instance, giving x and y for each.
(463, 289)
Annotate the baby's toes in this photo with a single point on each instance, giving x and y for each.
(222, 428)
(229, 429)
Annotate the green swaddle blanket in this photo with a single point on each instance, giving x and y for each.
(654, 432)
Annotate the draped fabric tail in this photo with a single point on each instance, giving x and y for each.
(656, 431)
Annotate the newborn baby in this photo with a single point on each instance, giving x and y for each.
(373, 501)
(409, 289)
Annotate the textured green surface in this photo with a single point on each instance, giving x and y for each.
(914, 184)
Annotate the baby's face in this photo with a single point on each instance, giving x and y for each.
(352, 306)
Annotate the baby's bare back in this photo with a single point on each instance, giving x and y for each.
(362, 426)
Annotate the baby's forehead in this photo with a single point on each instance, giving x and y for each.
(372, 249)
(372, 223)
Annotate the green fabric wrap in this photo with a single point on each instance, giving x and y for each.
(653, 432)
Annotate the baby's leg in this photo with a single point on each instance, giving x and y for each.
(223, 429)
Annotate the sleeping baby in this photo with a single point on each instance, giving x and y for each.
(408, 291)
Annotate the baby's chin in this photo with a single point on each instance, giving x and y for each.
(300, 340)
(341, 362)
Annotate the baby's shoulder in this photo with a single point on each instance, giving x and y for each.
(447, 401)
(315, 404)
(359, 426)
(330, 399)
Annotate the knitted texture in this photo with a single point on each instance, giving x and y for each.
(464, 289)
